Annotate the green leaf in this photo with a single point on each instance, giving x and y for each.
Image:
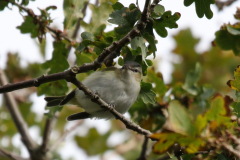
(25, 2)
(180, 119)
(190, 84)
(158, 11)
(100, 14)
(59, 62)
(202, 7)
(117, 6)
(93, 143)
(56, 88)
(228, 40)
(146, 94)
(125, 19)
(152, 46)
(72, 11)
(235, 84)
(28, 26)
(166, 20)
(139, 42)
(120, 61)
(88, 36)
(160, 89)
(3, 4)
(83, 58)
(216, 109)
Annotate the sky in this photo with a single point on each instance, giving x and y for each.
(11, 40)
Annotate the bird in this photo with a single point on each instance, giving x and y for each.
(119, 87)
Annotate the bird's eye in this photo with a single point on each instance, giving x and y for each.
(123, 67)
(135, 70)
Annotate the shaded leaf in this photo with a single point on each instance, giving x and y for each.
(146, 94)
(190, 84)
(228, 39)
(202, 7)
(117, 6)
(125, 19)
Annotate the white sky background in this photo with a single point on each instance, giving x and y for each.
(11, 40)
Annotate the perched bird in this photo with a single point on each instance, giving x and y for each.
(118, 87)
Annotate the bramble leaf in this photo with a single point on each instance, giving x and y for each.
(202, 7)
(166, 20)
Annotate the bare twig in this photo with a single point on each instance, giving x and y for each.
(7, 154)
(144, 150)
(75, 32)
(65, 135)
(17, 116)
(47, 132)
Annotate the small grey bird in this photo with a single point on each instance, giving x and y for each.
(116, 86)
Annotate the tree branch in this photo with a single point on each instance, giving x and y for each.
(13, 156)
(65, 135)
(86, 66)
(17, 116)
(144, 150)
(70, 74)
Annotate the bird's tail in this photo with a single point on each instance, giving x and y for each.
(59, 100)
(54, 100)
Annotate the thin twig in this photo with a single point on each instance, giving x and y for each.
(17, 116)
(67, 132)
(50, 123)
(13, 156)
(144, 150)
(77, 28)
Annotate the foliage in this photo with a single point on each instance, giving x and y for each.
(192, 112)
